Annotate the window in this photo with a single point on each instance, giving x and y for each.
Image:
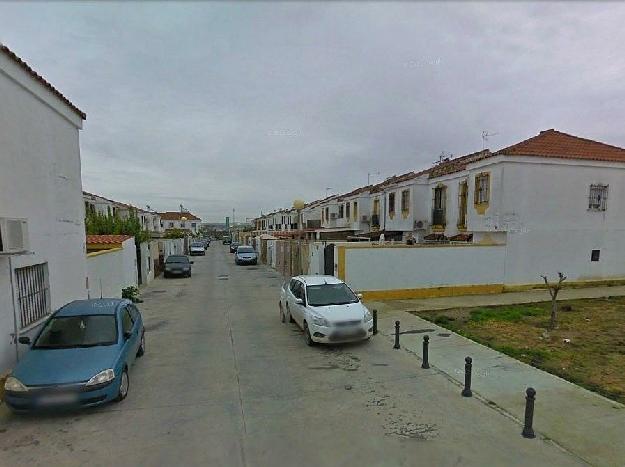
(327, 214)
(598, 198)
(594, 255)
(183, 224)
(391, 205)
(355, 210)
(65, 332)
(340, 211)
(193, 225)
(482, 188)
(405, 201)
(171, 224)
(439, 205)
(127, 322)
(376, 207)
(463, 191)
(33, 293)
(347, 210)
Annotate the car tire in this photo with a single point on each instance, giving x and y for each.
(141, 349)
(282, 316)
(124, 386)
(307, 337)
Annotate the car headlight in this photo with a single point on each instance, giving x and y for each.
(319, 321)
(368, 316)
(105, 376)
(14, 385)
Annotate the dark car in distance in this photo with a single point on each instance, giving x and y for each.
(177, 265)
(226, 240)
(233, 247)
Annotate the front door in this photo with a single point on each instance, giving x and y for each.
(328, 260)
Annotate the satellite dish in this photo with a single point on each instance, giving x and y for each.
(298, 204)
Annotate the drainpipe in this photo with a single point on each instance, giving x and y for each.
(15, 336)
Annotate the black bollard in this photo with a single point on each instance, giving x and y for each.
(396, 346)
(375, 322)
(468, 365)
(528, 430)
(426, 343)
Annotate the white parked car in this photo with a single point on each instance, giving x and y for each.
(326, 309)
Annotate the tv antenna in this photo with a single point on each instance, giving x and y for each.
(485, 136)
(443, 157)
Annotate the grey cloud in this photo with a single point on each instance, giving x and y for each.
(252, 105)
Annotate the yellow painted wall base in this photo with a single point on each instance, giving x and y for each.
(432, 292)
(567, 284)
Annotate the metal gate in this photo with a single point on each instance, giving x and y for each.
(328, 260)
(33, 293)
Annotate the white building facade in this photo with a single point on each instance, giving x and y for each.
(40, 182)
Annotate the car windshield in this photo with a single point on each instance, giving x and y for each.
(330, 294)
(197, 245)
(78, 331)
(177, 259)
(245, 249)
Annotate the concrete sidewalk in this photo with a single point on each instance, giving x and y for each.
(509, 298)
(584, 423)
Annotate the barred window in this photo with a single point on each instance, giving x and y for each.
(391, 204)
(598, 198)
(482, 188)
(33, 293)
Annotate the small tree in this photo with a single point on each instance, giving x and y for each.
(554, 288)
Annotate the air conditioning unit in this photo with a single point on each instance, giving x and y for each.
(332, 215)
(364, 218)
(13, 235)
(419, 225)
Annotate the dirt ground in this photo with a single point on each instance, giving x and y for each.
(587, 347)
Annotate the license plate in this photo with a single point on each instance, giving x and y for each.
(58, 399)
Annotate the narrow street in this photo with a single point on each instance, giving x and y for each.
(224, 383)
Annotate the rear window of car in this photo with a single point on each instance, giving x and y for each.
(245, 249)
(177, 259)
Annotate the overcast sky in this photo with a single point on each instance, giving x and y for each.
(253, 105)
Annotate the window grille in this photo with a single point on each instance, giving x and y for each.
(33, 293)
(598, 198)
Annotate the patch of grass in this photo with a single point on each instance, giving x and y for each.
(507, 313)
(587, 348)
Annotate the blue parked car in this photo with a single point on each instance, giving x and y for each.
(80, 358)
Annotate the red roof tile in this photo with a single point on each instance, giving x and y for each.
(9, 53)
(177, 216)
(552, 143)
(107, 239)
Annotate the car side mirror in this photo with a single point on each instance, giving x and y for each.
(24, 340)
(127, 335)
(359, 295)
(299, 301)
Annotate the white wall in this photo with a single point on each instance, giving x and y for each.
(40, 180)
(105, 271)
(129, 260)
(389, 268)
(315, 258)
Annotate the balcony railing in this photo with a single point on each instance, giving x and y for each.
(438, 217)
(375, 220)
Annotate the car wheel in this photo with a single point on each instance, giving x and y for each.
(141, 350)
(124, 385)
(307, 336)
(282, 317)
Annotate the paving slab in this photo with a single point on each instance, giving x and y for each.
(584, 423)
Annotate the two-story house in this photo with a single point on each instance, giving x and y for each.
(555, 200)
(42, 230)
(179, 220)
